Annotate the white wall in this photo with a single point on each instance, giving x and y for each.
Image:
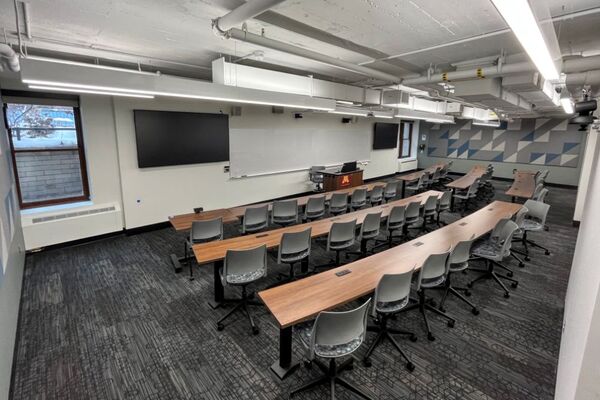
(10, 274)
(151, 195)
(586, 169)
(579, 350)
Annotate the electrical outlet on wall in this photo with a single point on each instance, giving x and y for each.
(226, 169)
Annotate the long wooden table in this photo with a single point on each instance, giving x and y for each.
(301, 300)
(214, 252)
(413, 176)
(523, 185)
(465, 181)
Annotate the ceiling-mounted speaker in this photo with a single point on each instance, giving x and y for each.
(277, 110)
(236, 111)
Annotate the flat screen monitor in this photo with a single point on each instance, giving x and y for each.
(385, 136)
(176, 138)
(349, 167)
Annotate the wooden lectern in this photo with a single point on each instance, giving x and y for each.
(341, 180)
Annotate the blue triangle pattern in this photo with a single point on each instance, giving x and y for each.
(463, 147)
(431, 150)
(529, 137)
(568, 146)
(550, 157)
(499, 157)
(451, 142)
(535, 156)
(450, 150)
(471, 152)
(445, 135)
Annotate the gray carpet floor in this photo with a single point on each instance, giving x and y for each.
(111, 320)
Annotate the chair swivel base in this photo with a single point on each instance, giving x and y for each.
(384, 332)
(331, 376)
(456, 292)
(423, 304)
(242, 305)
(491, 274)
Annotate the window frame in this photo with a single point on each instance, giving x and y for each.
(80, 151)
(401, 139)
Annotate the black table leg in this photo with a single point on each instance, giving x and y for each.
(514, 199)
(218, 285)
(176, 261)
(452, 200)
(285, 365)
(304, 265)
(403, 188)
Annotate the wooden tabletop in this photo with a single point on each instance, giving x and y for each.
(305, 298)
(469, 178)
(184, 222)
(413, 176)
(214, 251)
(523, 186)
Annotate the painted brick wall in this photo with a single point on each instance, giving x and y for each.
(49, 175)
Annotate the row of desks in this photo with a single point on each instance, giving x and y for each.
(523, 185)
(214, 252)
(301, 300)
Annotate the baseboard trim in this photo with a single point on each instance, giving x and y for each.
(576, 223)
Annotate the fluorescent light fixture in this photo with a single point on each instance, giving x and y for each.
(75, 90)
(386, 116)
(567, 104)
(357, 113)
(519, 16)
(82, 64)
(439, 121)
(429, 117)
(495, 124)
(348, 103)
(167, 94)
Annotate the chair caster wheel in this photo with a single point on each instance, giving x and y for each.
(410, 366)
(510, 274)
(514, 284)
(430, 337)
(308, 364)
(450, 324)
(367, 363)
(506, 295)
(220, 327)
(191, 278)
(475, 311)
(413, 338)
(468, 293)
(547, 253)
(442, 309)
(470, 284)
(521, 265)
(527, 258)
(255, 330)
(433, 303)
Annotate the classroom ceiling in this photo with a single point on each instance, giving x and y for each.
(176, 36)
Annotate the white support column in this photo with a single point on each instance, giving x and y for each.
(586, 168)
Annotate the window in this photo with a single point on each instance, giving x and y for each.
(47, 151)
(405, 147)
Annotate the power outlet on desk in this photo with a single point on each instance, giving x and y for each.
(198, 210)
(343, 272)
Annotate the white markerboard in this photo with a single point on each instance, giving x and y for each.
(264, 151)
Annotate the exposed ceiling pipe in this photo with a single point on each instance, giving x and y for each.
(583, 78)
(569, 66)
(9, 58)
(244, 12)
(262, 41)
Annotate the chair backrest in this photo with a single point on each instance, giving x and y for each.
(430, 204)
(294, 243)
(338, 200)
(341, 232)
(396, 216)
(315, 205)
(208, 230)
(538, 188)
(474, 187)
(542, 195)
(412, 210)
(377, 193)
(461, 252)
(392, 288)
(238, 262)
(445, 200)
(537, 210)
(506, 235)
(434, 269)
(255, 216)
(371, 224)
(520, 216)
(497, 231)
(285, 209)
(391, 188)
(333, 328)
(436, 174)
(359, 196)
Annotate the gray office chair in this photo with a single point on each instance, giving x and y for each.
(391, 296)
(468, 195)
(534, 222)
(241, 268)
(541, 196)
(331, 336)
(493, 252)
(427, 180)
(315, 174)
(294, 248)
(390, 191)
(412, 216)
(429, 211)
(433, 273)
(369, 230)
(338, 203)
(341, 237)
(202, 232)
(541, 176)
(314, 208)
(255, 219)
(520, 221)
(538, 188)
(416, 186)
(376, 195)
(358, 199)
(458, 261)
(394, 223)
(285, 212)
(444, 203)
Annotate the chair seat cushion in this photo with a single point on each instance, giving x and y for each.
(457, 267)
(433, 282)
(242, 279)
(486, 249)
(293, 257)
(532, 225)
(304, 331)
(388, 307)
(341, 245)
